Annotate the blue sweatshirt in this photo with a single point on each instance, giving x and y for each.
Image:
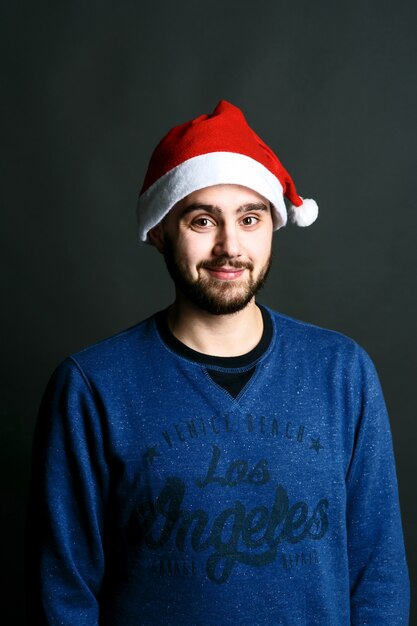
(158, 498)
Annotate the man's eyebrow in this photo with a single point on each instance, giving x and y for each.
(195, 206)
(253, 206)
(215, 210)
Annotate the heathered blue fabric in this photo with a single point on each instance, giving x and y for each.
(159, 499)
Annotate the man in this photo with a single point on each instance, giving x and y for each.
(218, 463)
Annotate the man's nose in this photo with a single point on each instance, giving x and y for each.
(227, 241)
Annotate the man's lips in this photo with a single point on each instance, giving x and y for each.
(226, 273)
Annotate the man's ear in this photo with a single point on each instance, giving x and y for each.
(156, 236)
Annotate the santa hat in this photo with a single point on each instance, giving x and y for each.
(215, 149)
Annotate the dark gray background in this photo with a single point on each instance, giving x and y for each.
(90, 87)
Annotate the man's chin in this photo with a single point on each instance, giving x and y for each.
(219, 301)
(225, 308)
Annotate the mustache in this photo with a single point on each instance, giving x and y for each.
(224, 261)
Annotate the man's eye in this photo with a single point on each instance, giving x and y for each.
(202, 222)
(250, 220)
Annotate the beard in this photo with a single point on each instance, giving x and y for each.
(218, 297)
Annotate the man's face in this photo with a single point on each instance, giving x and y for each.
(217, 246)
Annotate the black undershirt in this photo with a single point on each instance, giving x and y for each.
(244, 365)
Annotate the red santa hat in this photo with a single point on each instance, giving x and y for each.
(214, 149)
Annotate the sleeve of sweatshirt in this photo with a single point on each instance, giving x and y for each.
(378, 571)
(64, 527)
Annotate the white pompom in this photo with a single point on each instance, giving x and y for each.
(305, 214)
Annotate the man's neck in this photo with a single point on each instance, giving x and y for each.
(218, 335)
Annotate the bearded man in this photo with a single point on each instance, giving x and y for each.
(218, 463)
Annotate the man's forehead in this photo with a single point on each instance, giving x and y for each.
(219, 198)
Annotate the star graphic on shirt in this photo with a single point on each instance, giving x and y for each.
(315, 444)
(151, 453)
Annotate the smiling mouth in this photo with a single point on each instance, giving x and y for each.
(225, 273)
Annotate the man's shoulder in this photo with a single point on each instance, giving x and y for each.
(307, 337)
(131, 345)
